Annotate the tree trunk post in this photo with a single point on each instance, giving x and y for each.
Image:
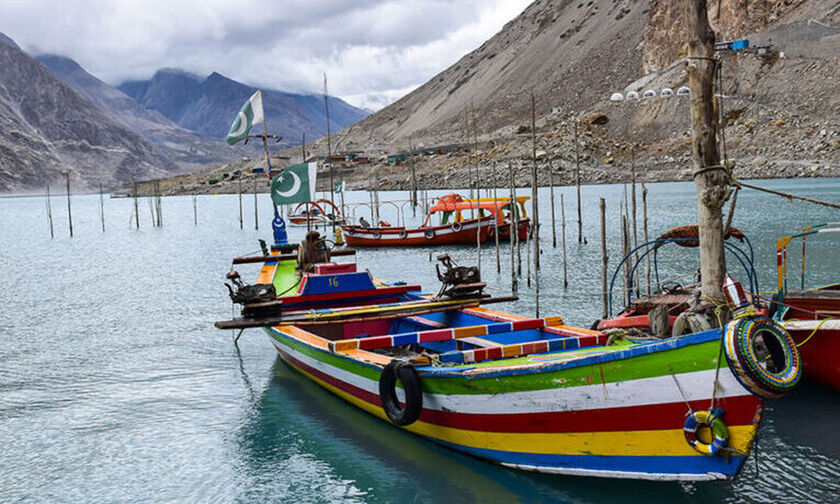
(711, 179)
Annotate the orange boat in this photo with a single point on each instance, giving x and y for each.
(462, 221)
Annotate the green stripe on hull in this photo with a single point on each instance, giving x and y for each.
(685, 359)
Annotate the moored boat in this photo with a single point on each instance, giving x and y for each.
(532, 394)
(812, 316)
(454, 227)
(313, 214)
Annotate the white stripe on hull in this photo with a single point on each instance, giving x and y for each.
(620, 474)
(644, 391)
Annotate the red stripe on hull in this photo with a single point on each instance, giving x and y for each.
(739, 410)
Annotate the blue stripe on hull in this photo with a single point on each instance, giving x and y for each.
(664, 467)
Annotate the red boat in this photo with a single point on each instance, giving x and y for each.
(811, 316)
(313, 214)
(454, 227)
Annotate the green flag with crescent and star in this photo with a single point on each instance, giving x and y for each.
(250, 114)
(295, 184)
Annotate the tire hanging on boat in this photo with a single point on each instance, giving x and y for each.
(377, 235)
(456, 226)
(410, 412)
(712, 420)
(763, 356)
(429, 233)
(402, 234)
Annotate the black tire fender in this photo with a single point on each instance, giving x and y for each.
(410, 412)
(456, 226)
(429, 233)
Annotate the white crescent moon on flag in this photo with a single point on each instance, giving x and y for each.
(243, 125)
(295, 187)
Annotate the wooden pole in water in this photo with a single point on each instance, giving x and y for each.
(625, 241)
(136, 210)
(535, 207)
(241, 223)
(577, 184)
(49, 213)
(635, 214)
(496, 222)
(256, 212)
(413, 194)
(69, 213)
(514, 232)
(645, 228)
(551, 194)
(101, 207)
(195, 209)
(710, 177)
(563, 231)
(604, 258)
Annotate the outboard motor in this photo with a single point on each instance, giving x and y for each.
(458, 281)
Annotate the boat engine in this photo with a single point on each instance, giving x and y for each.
(244, 294)
(458, 281)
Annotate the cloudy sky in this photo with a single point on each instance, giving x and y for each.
(373, 51)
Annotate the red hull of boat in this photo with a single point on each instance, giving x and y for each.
(821, 353)
(355, 236)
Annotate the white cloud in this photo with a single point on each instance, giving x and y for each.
(372, 50)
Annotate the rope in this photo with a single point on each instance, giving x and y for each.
(690, 411)
(789, 196)
(718, 313)
(705, 169)
(823, 321)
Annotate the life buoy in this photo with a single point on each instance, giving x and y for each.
(456, 226)
(762, 356)
(402, 234)
(690, 323)
(712, 420)
(410, 412)
(429, 233)
(377, 235)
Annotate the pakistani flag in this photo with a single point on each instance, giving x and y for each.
(250, 114)
(295, 184)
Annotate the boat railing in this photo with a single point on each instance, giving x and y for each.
(744, 257)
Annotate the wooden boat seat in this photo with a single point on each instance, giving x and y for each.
(480, 342)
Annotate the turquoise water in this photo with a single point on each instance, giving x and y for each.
(115, 387)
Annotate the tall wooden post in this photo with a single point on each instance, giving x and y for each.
(49, 212)
(563, 238)
(577, 183)
(195, 209)
(514, 232)
(241, 224)
(645, 231)
(535, 207)
(711, 179)
(101, 207)
(136, 210)
(69, 213)
(551, 194)
(329, 152)
(604, 259)
(256, 212)
(496, 223)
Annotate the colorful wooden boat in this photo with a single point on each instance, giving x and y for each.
(812, 316)
(532, 394)
(313, 214)
(454, 227)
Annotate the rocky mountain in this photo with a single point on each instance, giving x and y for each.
(207, 106)
(176, 142)
(782, 109)
(47, 128)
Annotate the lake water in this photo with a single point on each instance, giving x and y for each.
(116, 387)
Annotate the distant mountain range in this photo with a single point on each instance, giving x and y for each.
(56, 117)
(207, 105)
(47, 128)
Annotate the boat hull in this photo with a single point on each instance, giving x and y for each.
(618, 414)
(819, 350)
(467, 234)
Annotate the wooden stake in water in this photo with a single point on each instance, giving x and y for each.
(551, 189)
(535, 207)
(413, 194)
(604, 259)
(635, 217)
(101, 207)
(563, 236)
(478, 232)
(49, 212)
(645, 226)
(577, 183)
(239, 191)
(256, 212)
(625, 243)
(514, 232)
(136, 210)
(496, 223)
(195, 209)
(69, 213)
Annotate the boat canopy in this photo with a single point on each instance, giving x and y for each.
(497, 207)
